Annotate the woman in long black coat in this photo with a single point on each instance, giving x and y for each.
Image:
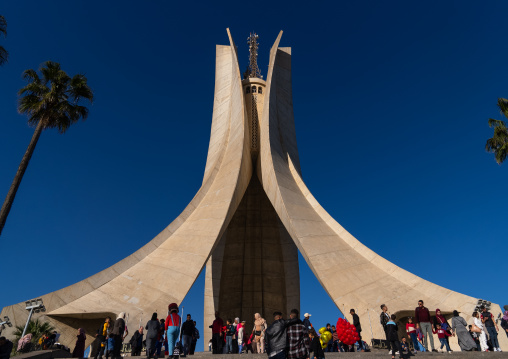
(79, 349)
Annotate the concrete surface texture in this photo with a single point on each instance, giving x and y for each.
(245, 224)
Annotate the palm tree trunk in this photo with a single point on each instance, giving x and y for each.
(9, 199)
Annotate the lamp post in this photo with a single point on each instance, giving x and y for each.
(34, 305)
(4, 323)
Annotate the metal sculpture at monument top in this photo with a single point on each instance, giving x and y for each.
(245, 226)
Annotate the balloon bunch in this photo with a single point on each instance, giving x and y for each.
(347, 332)
(325, 337)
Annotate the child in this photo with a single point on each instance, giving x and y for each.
(411, 333)
(475, 338)
(109, 346)
(419, 337)
(442, 334)
(315, 345)
(392, 335)
(406, 352)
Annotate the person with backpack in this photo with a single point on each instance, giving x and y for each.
(172, 326)
(392, 335)
(187, 333)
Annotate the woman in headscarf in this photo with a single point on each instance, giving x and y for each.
(459, 327)
(152, 329)
(504, 320)
(441, 320)
(118, 331)
(172, 327)
(24, 341)
(259, 332)
(79, 349)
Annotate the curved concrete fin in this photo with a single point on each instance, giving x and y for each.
(164, 270)
(360, 278)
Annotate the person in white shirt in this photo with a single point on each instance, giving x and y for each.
(481, 336)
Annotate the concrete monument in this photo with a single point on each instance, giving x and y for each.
(246, 224)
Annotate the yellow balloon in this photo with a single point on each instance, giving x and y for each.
(323, 345)
(322, 330)
(327, 336)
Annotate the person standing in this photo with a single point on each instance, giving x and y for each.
(195, 338)
(491, 326)
(235, 336)
(216, 334)
(384, 318)
(423, 321)
(315, 345)
(79, 349)
(95, 347)
(239, 333)
(117, 334)
(306, 320)
(411, 333)
(392, 332)
(275, 336)
(160, 338)
(259, 328)
(297, 338)
(172, 326)
(358, 326)
(230, 332)
(103, 334)
(459, 327)
(441, 335)
(187, 333)
(504, 320)
(152, 332)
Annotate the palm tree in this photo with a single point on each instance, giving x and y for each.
(52, 101)
(3, 31)
(498, 144)
(36, 328)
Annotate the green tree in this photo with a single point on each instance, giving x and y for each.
(35, 327)
(51, 101)
(498, 144)
(3, 31)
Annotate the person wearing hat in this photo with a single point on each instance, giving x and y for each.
(172, 327)
(306, 321)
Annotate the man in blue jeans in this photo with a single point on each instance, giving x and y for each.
(187, 333)
(492, 328)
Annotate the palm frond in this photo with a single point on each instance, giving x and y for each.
(496, 123)
(502, 103)
(79, 89)
(30, 75)
(4, 55)
(3, 25)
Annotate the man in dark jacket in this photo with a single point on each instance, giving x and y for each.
(5, 348)
(275, 336)
(187, 333)
(136, 342)
(297, 337)
(358, 326)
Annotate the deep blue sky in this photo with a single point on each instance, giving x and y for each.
(391, 105)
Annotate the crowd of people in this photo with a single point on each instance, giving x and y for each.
(290, 338)
(420, 329)
(294, 338)
(170, 333)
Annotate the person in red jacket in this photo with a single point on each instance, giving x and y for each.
(217, 334)
(172, 327)
(411, 332)
(442, 334)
